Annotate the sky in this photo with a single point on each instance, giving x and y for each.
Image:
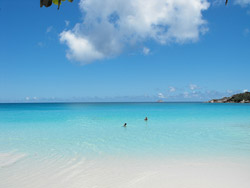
(124, 51)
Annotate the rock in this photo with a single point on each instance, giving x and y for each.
(238, 98)
(160, 101)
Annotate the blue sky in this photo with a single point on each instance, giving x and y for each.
(191, 50)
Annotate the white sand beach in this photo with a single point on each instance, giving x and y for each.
(59, 172)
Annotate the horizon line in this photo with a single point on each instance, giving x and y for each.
(67, 102)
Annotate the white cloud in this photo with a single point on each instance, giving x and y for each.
(27, 98)
(80, 48)
(67, 23)
(146, 50)
(161, 96)
(218, 2)
(245, 90)
(185, 94)
(172, 89)
(49, 29)
(109, 26)
(242, 2)
(193, 86)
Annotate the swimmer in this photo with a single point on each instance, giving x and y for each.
(125, 125)
(146, 119)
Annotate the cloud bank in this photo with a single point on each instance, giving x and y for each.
(111, 26)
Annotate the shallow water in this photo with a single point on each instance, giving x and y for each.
(92, 130)
(63, 139)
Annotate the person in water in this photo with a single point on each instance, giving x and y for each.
(125, 125)
(146, 119)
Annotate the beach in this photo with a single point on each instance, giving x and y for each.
(79, 172)
(182, 145)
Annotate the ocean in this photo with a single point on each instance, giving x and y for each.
(59, 140)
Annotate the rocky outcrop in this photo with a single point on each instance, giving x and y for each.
(160, 101)
(238, 98)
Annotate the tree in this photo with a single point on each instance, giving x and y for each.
(48, 3)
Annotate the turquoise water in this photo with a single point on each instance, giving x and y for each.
(95, 129)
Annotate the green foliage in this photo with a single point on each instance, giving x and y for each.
(48, 3)
(240, 97)
(57, 1)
